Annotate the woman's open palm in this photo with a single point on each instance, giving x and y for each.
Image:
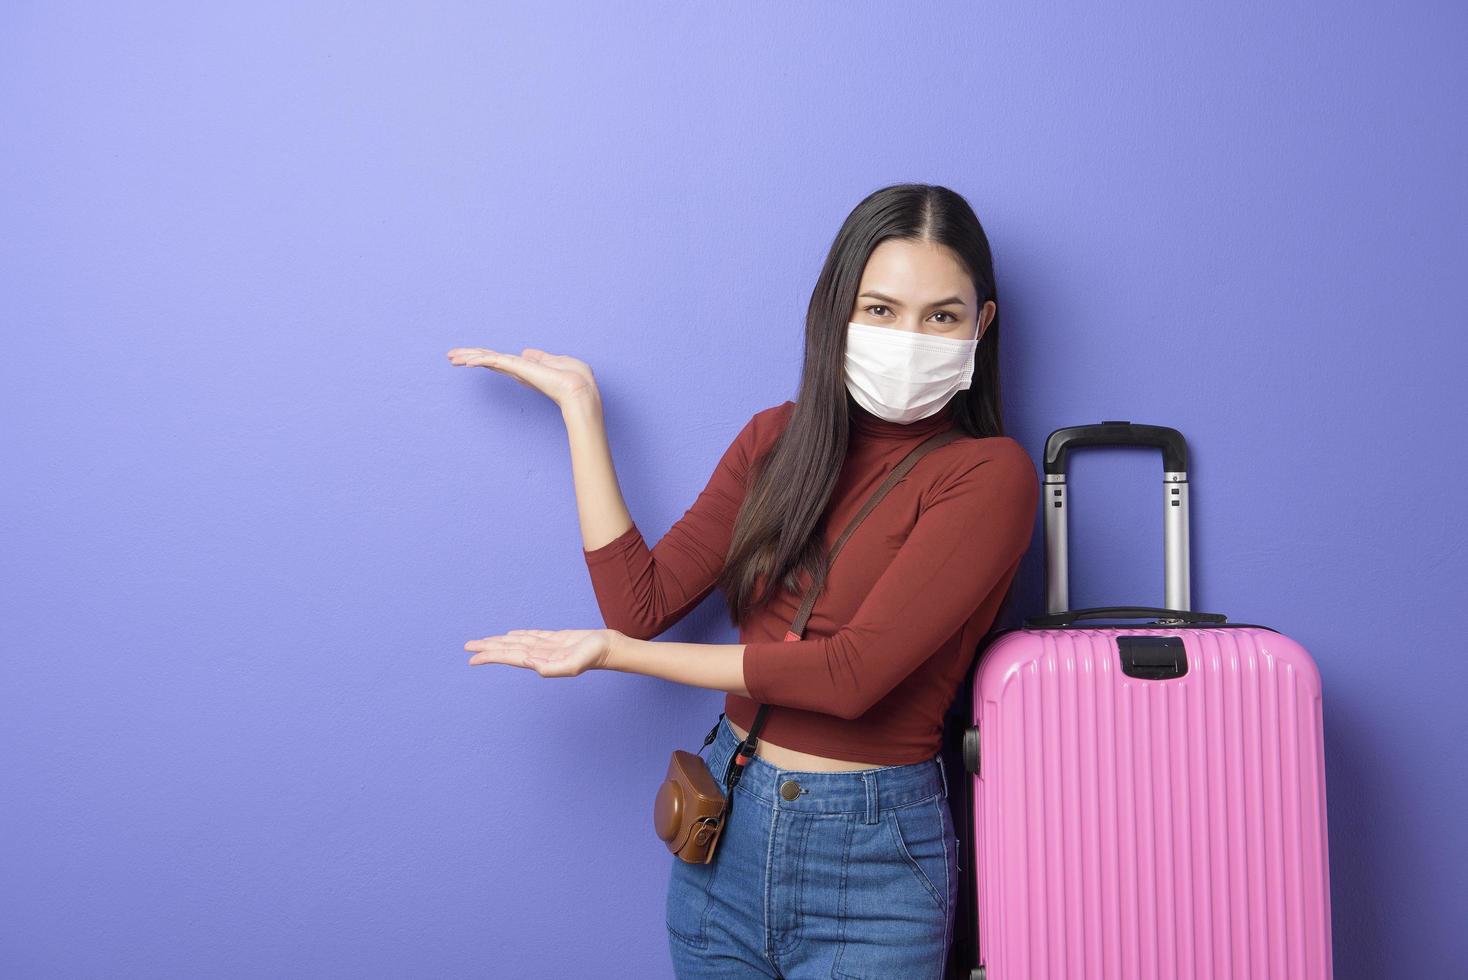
(551, 653)
(559, 377)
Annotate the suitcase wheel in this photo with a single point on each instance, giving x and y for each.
(971, 749)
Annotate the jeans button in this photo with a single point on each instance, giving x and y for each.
(789, 789)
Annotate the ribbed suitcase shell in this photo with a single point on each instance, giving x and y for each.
(1140, 829)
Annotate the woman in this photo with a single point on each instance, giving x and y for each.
(839, 858)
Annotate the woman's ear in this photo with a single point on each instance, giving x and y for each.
(986, 317)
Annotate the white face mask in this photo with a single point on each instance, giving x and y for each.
(903, 376)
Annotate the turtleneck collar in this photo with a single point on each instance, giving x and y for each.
(865, 425)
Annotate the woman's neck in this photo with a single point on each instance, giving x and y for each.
(865, 425)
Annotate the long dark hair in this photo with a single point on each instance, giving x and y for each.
(775, 536)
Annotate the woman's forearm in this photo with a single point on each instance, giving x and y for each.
(718, 666)
(599, 504)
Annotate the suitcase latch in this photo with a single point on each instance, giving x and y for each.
(1152, 658)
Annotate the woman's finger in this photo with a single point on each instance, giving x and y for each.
(503, 640)
(478, 356)
(459, 354)
(496, 654)
(538, 375)
(495, 361)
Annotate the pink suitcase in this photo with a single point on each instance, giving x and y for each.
(1147, 801)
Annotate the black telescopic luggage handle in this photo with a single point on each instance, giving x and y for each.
(1177, 594)
(1174, 447)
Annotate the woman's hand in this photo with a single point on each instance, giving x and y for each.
(551, 653)
(560, 377)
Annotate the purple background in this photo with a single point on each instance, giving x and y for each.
(250, 514)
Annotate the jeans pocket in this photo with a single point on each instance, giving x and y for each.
(921, 834)
(895, 919)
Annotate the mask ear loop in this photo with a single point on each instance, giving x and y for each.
(979, 336)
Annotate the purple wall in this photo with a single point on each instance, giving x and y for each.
(250, 515)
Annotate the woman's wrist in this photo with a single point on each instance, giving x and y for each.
(616, 650)
(718, 666)
(584, 406)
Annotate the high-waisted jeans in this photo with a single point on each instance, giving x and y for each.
(820, 875)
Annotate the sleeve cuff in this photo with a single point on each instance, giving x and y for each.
(756, 681)
(613, 548)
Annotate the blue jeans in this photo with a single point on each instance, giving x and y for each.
(820, 874)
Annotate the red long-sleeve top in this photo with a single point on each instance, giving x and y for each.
(904, 604)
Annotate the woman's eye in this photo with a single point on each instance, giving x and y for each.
(879, 306)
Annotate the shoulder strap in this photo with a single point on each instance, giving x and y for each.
(797, 628)
(746, 749)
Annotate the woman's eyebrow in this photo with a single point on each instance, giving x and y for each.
(950, 301)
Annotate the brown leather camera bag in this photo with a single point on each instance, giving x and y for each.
(691, 808)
